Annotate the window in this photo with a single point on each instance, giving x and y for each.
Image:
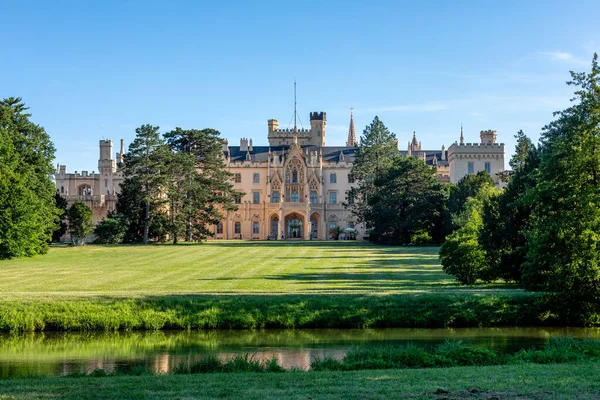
(313, 197)
(332, 178)
(256, 178)
(332, 225)
(294, 176)
(62, 189)
(238, 198)
(351, 225)
(350, 197)
(332, 197)
(488, 167)
(295, 197)
(275, 197)
(256, 197)
(255, 228)
(219, 228)
(237, 228)
(238, 178)
(470, 168)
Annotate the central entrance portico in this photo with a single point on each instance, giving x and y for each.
(294, 226)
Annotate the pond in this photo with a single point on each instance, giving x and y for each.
(61, 353)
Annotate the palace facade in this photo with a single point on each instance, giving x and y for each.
(295, 188)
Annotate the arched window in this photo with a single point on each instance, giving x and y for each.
(237, 228)
(295, 198)
(62, 190)
(294, 176)
(84, 190)
(219, 228)
(256, 228)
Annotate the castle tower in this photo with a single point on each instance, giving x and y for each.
(106, 164)
(488, 137)
(351, 142)
(318, 123)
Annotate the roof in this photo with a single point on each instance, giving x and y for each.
(330, 153)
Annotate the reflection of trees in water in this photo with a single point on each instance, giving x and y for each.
(62, 353)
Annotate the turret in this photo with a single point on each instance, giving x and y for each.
(318, 123)
(273, 125)
(488, 137)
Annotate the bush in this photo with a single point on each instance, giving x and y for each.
(110, 231)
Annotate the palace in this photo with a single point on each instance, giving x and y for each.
(295, 188)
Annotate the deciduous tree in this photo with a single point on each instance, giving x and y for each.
(28, 214)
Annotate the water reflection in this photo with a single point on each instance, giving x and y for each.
(60, 353)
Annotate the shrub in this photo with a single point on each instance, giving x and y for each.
(110, 231)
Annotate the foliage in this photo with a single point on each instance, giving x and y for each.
(80, 222)
(564, 241)
(336, 232)
(407, 200)
(28, 214)
(199, 187)
(109, 231)
(144, 169)
(378, 147)
(461, 254)
(235, 311)
(238, 363)
(459, 354)
(61, 205)
(507, 217)
(470, 185)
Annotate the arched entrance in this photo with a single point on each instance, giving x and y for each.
(314, 226)
(274, 227)
(294, 226)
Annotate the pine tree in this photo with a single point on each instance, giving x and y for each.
(145, 167)
(200, 186)
(374, 155)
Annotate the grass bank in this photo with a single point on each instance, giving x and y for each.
(531, 381)
(266, 312)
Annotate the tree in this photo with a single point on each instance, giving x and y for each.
(374, 155)
(506, 218)
(200, 188)
(61, 228)
(469, 186)
(461, 254)
(110, 230)
(131, 211)
(564, 241)
(28, 214)
(80, 222)
(407, 202)
(145, 168)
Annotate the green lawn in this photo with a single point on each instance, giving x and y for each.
(521, 381)
(232, 267)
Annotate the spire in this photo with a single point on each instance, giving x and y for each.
(462, 137)
(351, 142)
(415, 145)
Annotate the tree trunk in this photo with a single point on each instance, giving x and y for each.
(188, 228)
(147, 222)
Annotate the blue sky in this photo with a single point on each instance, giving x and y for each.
(92, 70)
